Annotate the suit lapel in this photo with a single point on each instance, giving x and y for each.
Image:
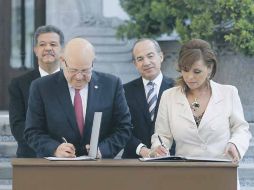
(65, 101)
(35, 74)
(94, 89)
(141, 99)
(184, 109)
(165, 84)
(213, 108)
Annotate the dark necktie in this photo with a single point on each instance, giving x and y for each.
(151, 99)
(79, 111)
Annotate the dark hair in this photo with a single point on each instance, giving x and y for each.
(155, 43)
(193, 51)
(48, 29)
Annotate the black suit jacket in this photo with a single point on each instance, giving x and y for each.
(18, 94)
(143, 127)
(51, 115)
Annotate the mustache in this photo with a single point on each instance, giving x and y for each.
(49, 53)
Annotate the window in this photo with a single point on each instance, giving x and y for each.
(22, 29)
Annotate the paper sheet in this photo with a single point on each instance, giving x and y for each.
(65, 159)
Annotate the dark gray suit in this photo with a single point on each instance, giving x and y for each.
(19, 93)
(51, 115)
(143, 127)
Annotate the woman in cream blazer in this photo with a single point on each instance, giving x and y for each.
(203, 117)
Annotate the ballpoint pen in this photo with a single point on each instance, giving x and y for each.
(162, 144)
(65, 141)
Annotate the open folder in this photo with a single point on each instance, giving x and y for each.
(93, 141)
(183, 158)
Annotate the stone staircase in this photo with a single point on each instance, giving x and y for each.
(112, 55)
(8, 149)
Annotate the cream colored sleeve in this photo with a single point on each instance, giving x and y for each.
(162, 124)
(239, 127)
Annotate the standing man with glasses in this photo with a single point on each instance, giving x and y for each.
(48, 43)
(62, 106)
(143, 96)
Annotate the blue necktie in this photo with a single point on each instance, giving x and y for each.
(151, 99)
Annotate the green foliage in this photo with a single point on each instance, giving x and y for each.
(217, 21)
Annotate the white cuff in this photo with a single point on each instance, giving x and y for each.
(139, 148)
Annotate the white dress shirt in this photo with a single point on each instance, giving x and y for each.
(157, 84)
(84, 95)
(44, 73)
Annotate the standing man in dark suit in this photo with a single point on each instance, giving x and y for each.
(62, 106)
(48, 42)
(143, 96)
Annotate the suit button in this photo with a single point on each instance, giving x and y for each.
(203, 146)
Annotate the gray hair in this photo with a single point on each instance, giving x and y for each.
(155, 43)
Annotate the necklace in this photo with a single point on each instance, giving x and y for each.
(195, 105)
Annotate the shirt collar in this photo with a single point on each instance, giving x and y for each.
(44, 73)
(157, 80)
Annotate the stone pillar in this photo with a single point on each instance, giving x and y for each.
(84, 18)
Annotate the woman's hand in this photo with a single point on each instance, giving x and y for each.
(159, 151)
(232, 151)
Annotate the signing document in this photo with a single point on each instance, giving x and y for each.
(93, 142)
(183, 158)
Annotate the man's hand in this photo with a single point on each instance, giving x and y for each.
(144, 152)
(65, 150)
(98, 151)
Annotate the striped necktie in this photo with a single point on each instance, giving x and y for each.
(151, 99)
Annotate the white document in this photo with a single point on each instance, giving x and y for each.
(65, 159)
(183, 158)
(95, 135)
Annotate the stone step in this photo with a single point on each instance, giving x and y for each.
(92, 32)
(252, 128)
(8, 149)
(127, 48)
(247, 188)
(5, 170)
(114, 69)
(7, 138)
(6, 182)
(4, 123)
(246, 175)
(5, 187)
(120, 57)
(250, 151)
(106, 41)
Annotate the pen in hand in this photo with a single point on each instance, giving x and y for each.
(64, 140)
(162, 144)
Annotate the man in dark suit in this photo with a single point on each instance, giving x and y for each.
(62, 106)
(147, 57)
(48, 41)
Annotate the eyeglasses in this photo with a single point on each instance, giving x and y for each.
(83, 72)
